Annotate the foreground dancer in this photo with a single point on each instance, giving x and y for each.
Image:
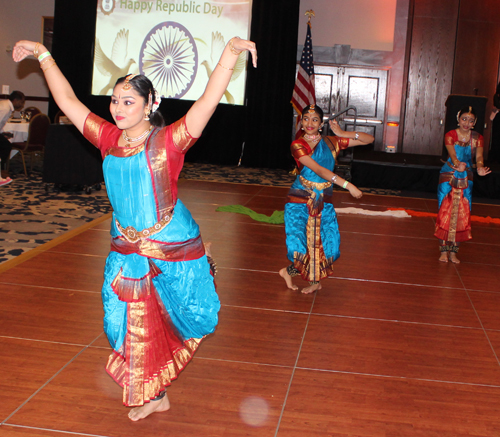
(159, 294)
(455, 185)
(312, 233)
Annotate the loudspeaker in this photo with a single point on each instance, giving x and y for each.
(455, 102)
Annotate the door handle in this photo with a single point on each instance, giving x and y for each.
(363, 121)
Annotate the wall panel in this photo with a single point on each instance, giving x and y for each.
(430, 75)
(477, 51)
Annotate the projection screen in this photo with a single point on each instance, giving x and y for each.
(175, 43)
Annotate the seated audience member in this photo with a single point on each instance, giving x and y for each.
(15, 102)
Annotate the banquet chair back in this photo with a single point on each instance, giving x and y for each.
(33, 110)
(35, 143)
(58, 115)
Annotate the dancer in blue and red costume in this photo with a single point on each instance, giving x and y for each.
(159, 293)
(455, 185)
(312, 233)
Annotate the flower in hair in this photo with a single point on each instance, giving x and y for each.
(156, 101)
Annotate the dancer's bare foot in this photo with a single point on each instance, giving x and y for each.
(288, 279)
(443, 257)
(139, 413)
(453, 258)
(311, 288)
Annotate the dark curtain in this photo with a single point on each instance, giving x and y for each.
(72, 48)
(269, 88)
(264, 125)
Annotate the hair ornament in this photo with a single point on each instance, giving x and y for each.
(126, 85)
(154, 101)
(470, 111)
(311, 109)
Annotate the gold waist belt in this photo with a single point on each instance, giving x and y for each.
(132, 235)
(317, 185)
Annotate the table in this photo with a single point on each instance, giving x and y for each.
(19, 129)
(70, 159)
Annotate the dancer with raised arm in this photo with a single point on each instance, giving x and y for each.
(453, 224)
(312, 233)
(159, 294)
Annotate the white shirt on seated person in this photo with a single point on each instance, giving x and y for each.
(6, 110)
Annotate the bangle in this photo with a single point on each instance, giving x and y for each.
(47, 59)
(231, 47)
(35, 50)
(43, 56)
(356, 135)
(51, 65)
(226, 68)
(345, 185)
(334, 178)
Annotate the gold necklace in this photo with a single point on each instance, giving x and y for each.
(140, 137)
(312, 137)
(462, 138)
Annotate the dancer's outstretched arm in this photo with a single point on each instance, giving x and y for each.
(201, 111)
(59, 86)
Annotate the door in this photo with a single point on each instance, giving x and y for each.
(365, 88)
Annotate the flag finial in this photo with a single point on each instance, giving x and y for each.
(309, 13)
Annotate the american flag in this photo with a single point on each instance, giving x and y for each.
(303, 91)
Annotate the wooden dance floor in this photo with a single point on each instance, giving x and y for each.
(395, 344)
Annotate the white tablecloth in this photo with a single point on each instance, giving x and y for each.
(20, 131)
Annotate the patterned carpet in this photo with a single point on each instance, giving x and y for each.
(32, 214)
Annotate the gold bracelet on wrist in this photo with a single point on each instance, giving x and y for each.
(226, 68)
(42, 64)
(35, 50)
(50, 66)
(231, 47)
(46, 60)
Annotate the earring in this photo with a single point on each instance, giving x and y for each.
(146, 115)
(302, 128)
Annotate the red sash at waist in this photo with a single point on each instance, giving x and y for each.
(175, 251)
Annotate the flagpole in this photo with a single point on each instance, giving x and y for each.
(303, 91)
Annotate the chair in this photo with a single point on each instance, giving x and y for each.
(35, 143)
(33, 110)
(58, 115)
